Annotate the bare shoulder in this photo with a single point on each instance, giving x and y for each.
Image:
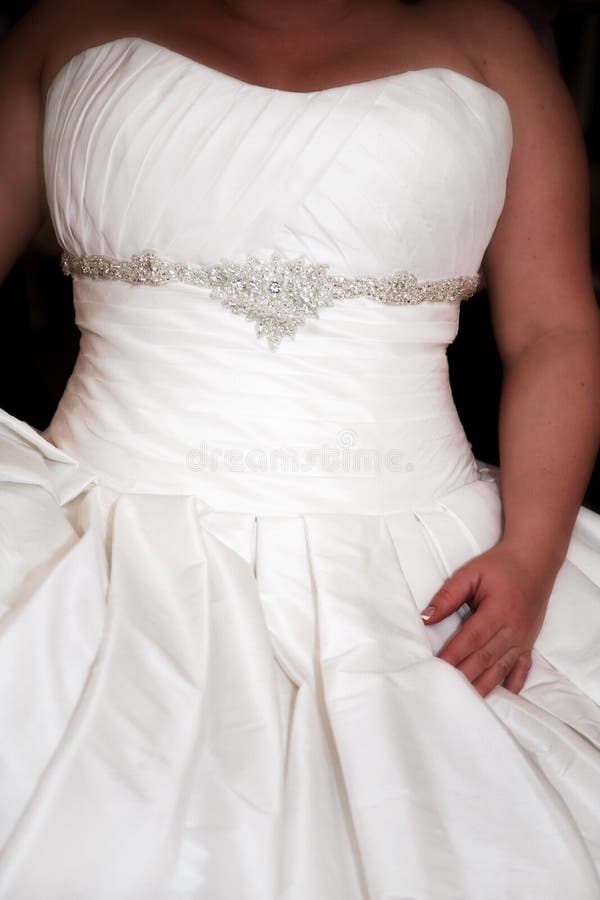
(22, 200)
(54, 31)
(499, 41)
(22, 48)
(483, 27)
(505, 50)
(45, 31)
(537, 264)
(25, 50)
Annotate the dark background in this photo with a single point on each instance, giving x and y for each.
(39, 340)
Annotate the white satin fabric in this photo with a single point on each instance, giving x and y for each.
(214, 679)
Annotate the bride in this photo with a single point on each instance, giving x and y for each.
(269, 630)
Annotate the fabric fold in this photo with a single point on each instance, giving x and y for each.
(213, 686)
(215, 682)
(425, 769)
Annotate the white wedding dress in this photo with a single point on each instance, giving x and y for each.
(215, 683)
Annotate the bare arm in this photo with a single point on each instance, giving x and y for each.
(547, 328)
(22, 194)
(543, 306)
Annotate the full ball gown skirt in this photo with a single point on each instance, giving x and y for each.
(215, 683)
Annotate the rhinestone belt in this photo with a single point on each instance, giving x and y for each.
(276, 294)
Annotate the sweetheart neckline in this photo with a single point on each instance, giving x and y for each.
(197, 63)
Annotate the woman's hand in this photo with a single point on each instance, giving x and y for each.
(508, 593)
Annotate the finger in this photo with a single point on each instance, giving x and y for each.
(455, 591)
(485, 656)
(475, 633)
(496, 674)
(518, 674)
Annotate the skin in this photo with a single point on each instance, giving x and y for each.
(537, 264)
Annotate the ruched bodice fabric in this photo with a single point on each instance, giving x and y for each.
(380, 178)
(215, 681)
(405, 172)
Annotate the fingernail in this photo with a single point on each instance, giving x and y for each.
(428, 612)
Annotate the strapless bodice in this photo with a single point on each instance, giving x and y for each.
(145, 148)
(217, 676)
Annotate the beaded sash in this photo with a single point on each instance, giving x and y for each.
(276, 294)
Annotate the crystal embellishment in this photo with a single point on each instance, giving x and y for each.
(276, 294)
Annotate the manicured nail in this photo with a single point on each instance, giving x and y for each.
(428, 612)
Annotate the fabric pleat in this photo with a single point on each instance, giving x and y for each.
(204, 700)
(215, 681)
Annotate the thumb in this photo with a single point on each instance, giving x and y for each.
(455, 591)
